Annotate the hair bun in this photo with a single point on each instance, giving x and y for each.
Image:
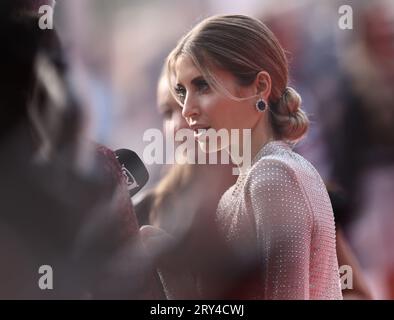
(291, 100)
(289, 120)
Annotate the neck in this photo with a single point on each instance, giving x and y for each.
(261, 135)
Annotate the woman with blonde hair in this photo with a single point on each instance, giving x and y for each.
(230, 72)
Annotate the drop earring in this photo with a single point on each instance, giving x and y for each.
(261, 105)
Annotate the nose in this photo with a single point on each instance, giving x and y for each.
(190, 107)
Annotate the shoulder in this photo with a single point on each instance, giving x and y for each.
(271, 171)
(274, 190)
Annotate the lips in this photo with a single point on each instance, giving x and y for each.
(200, 131)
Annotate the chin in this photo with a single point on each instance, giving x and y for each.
(207, 147)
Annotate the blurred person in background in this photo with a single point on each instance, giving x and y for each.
(346, 76)
(180, 176)
(183, 204)
(364, 156)
(354, 284)
(316, 71)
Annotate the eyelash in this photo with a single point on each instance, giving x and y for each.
(202, 87)
(181, 93)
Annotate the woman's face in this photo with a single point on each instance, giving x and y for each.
(205, 108)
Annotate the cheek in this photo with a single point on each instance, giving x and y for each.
(168, 126)
(228, 114)
(242, 115)
(179, 121)
(214, 108)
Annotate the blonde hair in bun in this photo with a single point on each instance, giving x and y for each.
(288, 120)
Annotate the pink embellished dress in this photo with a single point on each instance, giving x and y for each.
(278, 219)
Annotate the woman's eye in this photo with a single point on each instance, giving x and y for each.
(202, 86)
(181, 93)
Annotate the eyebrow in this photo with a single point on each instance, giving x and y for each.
(195, 81)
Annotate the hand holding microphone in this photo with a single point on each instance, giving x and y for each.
(129, 272)
(159, 245)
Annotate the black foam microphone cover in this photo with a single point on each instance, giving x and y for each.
(133, 170)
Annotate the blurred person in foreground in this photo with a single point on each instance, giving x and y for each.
(57, 211)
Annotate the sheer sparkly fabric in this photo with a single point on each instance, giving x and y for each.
(279, 214)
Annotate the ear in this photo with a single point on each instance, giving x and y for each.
(263, 84)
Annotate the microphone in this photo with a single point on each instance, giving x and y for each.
(133, 169)
(126, 170)
(136, 176)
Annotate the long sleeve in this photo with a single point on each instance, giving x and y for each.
(284, 223)
(279, 215)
